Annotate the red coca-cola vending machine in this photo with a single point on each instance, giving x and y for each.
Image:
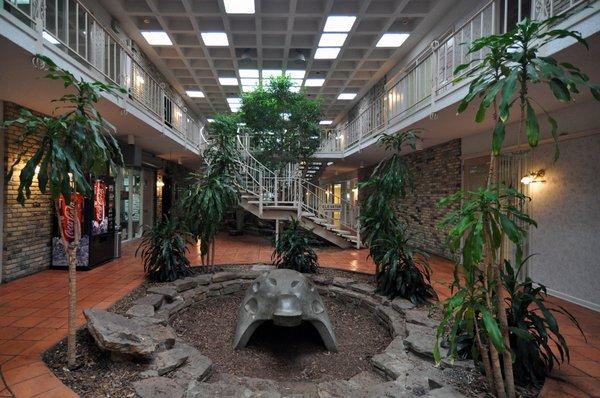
(96, 227)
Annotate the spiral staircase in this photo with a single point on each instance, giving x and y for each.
(289, 196)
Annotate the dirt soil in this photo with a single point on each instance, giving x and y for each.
(279, 353)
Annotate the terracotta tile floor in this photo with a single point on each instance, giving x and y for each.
(33, 315)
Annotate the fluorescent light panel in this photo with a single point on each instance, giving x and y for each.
(314, 82)
(239, 6)
(157, 38)
(210, 120)
(346, 96)
(325, 122)
(268, 73)
(249, 82)
(234, 100)
(327, 53)
(392, 39)
(295, 74)
(249, 73)
(228, 81)
(332, 39)
(338, 23)
(195, 94)
(215, 39)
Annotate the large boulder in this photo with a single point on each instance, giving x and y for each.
(117, 333)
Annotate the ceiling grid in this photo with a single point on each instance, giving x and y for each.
(278, 35)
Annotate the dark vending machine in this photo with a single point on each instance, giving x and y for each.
(97, 216)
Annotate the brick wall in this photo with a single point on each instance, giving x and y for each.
(28, 229)
(436, 173)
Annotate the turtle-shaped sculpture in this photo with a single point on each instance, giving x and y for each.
(287, 298)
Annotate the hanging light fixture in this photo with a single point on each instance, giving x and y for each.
(534, 176)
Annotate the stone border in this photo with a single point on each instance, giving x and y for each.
(406, 364)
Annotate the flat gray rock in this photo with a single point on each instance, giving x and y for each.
(262, 267)
(226, 390)
(197, 367)
(342, 282)
(391, 367)
(169, 292)
(141, 310)
(420, 317)
(364, 379)
(158, 387)
(362, 288)
(421, 340)
(113, 332)
(166, 361)
(185, 284)
(224, 276)
(152, 299)
(203, 280)
(402, 305)
(335, 389)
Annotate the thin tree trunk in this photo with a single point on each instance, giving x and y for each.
(72, 322)
(494, 358)
(485, 358)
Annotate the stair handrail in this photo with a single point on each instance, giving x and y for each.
(288, 187)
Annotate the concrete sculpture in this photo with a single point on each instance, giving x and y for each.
(287, 298)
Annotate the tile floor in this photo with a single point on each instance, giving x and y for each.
(33, 316)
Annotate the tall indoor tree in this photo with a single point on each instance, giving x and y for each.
(502, 80)
(215, 190)
(401, 270)
(283, 124)
(71, 145)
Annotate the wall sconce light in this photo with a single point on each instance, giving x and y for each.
(37, 170)
(534, 176)
(160, 184)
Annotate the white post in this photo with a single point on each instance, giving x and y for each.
(276, 231)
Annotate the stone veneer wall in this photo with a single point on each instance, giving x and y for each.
(436, 173)
(27, 229)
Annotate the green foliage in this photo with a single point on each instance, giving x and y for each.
(283, 125)
(163, 250)
(401, 271)
(512, 64)
(485, 216)
(214, 192)
(533, 328)
(293, 251)
(72, 145)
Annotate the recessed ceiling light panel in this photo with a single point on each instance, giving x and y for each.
(215, 39)
(234, 100)
(268, 73)
(327, 53)
(157, 38)
(314, 82)
(332, 39)
(295, 74)
(249, 73)
(195, 94)
(228, 81)
(346, 96)
(338, 23)
(249, 82)
(392, 39)
(239, 6)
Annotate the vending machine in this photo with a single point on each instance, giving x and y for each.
(96, 227)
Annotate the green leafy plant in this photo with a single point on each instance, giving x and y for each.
(401, 270)
(163, 250)
(534, 330)
(293, 251)
(72, 146)
(214, 192)
(502, 80)
(283, 125)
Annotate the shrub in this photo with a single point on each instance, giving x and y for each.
(293, 251)
(163, 250)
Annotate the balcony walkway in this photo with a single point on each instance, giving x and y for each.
(33, 316)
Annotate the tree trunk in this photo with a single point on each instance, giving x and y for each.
(72, 324)
(485, 358)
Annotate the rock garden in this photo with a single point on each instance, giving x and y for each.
(176, 340)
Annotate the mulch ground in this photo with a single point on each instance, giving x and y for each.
(280, 353)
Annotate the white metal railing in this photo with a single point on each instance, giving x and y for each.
(288, 189)
(429, 77)
(72, 28)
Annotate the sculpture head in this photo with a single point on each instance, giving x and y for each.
(287, 298)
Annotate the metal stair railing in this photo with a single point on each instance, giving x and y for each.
(290, 190)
